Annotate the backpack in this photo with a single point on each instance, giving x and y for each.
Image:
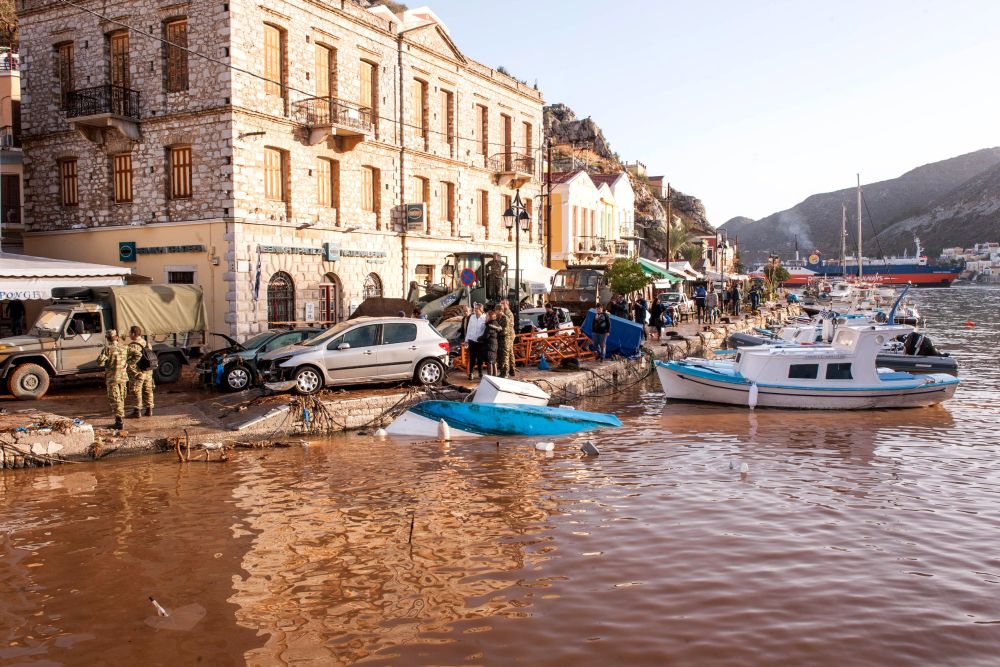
(148, 361)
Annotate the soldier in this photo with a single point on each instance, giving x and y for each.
(112, 360)
(506, 362)
(140, 380)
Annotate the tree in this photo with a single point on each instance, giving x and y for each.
(692, 252)
(8, 24)
(680, 238)
(626, 276)
(774, 275)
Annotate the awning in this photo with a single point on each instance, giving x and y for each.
(658, 271)
(538, 278)
(27, 278)
(686, 270)
(715, 276)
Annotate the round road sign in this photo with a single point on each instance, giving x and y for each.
(467, 277)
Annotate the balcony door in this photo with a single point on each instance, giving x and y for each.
(119, 60)
(507, 139)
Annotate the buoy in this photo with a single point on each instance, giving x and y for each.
(545, 446)
(970, 323)
(752, 398)
(590, 449)
(744, 468)
(444, 431)
(543, 364)
(380, 433)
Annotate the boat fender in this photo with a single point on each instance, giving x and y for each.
(444, 431)
(744, 468)
(545, 446)
(380, 433)
(752, 397)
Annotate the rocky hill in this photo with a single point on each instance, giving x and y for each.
(580, 143)
(951, 202)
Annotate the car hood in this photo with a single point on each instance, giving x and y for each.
(22, 343)
(287, 351)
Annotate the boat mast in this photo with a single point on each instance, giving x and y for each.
(843, 241)
(860, 262)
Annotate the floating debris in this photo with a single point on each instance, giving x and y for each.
(590, 449)
(545, 446)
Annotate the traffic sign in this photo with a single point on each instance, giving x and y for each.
(467, 277)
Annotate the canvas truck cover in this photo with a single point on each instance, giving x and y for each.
(158, 309)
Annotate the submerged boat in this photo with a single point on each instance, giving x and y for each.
(499, 406)
(472, 420)
(843, 375)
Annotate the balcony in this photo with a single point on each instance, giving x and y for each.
(622, 249)
(9, 138)
(329, 116)
(512, 169)
(91, 110)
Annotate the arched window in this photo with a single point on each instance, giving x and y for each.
(329, 299)
(373, 285)
(280, 298)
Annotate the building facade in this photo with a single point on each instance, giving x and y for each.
(593, 218)
(11, 162)
(292, 157)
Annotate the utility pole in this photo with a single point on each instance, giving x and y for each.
(548, 202)
(670, 223)
(860, 263)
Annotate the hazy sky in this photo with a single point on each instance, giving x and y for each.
(753, 106)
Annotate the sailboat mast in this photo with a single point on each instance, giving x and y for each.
(860, 262)
(843, 241)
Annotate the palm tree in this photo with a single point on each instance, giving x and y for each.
(692, 252)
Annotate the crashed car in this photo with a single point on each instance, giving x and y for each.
(366, 349)
(234, 368)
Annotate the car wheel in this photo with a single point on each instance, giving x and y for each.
(28, 382)
(308, 381)
(237, 378)
(168, 369)
(429, 372)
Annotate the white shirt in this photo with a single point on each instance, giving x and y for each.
(476, 327)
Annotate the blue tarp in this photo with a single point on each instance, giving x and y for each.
(624, 338)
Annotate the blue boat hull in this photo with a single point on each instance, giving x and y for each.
(511, 419)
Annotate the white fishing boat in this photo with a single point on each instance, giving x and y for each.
(843, 375)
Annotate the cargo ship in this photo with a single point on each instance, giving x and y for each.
(913, 270)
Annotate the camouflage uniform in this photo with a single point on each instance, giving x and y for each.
(112, 360)
(506, 362)
(140, 383)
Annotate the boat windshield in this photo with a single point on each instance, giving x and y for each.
(49, 322)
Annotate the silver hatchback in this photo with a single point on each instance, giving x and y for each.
(368, 349)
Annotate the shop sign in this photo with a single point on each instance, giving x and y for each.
(127, 250)
(363, 253)
(331, 251)
(290, 250)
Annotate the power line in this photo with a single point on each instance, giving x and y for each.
(241, 70)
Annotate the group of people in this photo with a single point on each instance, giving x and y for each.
(127, 374)
(489, 339)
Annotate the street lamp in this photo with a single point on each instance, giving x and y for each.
(517, 218)
(721, 246)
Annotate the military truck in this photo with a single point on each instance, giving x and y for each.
(69, 333)
(579, 288)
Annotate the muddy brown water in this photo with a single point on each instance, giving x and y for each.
(857, 538)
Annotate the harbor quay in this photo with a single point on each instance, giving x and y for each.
(72, 424)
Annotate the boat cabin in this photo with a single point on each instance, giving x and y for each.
(848, 360)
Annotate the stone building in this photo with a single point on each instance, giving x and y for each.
(293, 157)
(11, 163)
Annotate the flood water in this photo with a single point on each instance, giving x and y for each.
(856, 538)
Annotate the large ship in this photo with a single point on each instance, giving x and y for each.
(914, 270)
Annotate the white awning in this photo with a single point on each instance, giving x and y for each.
(685, 270)
(27, 278)
(538, 277)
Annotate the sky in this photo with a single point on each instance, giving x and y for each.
(752, 106)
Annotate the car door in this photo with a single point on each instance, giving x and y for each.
(81, 343)
(398, 352)
(353, 355)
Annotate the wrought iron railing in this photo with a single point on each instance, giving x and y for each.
(9, 138)
(106, 99)
(322, 111)
(621, 248)
(512, 162)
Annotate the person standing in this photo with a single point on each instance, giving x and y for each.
(601, 328)
(507, 364)
(639, 310)
(712, 304)
(140, 375)
(113, 360)
(755, 298)
(15, 309)
(466, 314)
(492, 335)
(550, 320)
(735, 298)
(699, 301)
(655, 321)
(474, 330)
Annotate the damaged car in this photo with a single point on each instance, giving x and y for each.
(234, 368)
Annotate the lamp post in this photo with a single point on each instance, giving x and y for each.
(517, 218)
(721, 246)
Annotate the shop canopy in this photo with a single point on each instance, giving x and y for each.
(27, 278)
(660, 272)
(715, 276)
(686, 270)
